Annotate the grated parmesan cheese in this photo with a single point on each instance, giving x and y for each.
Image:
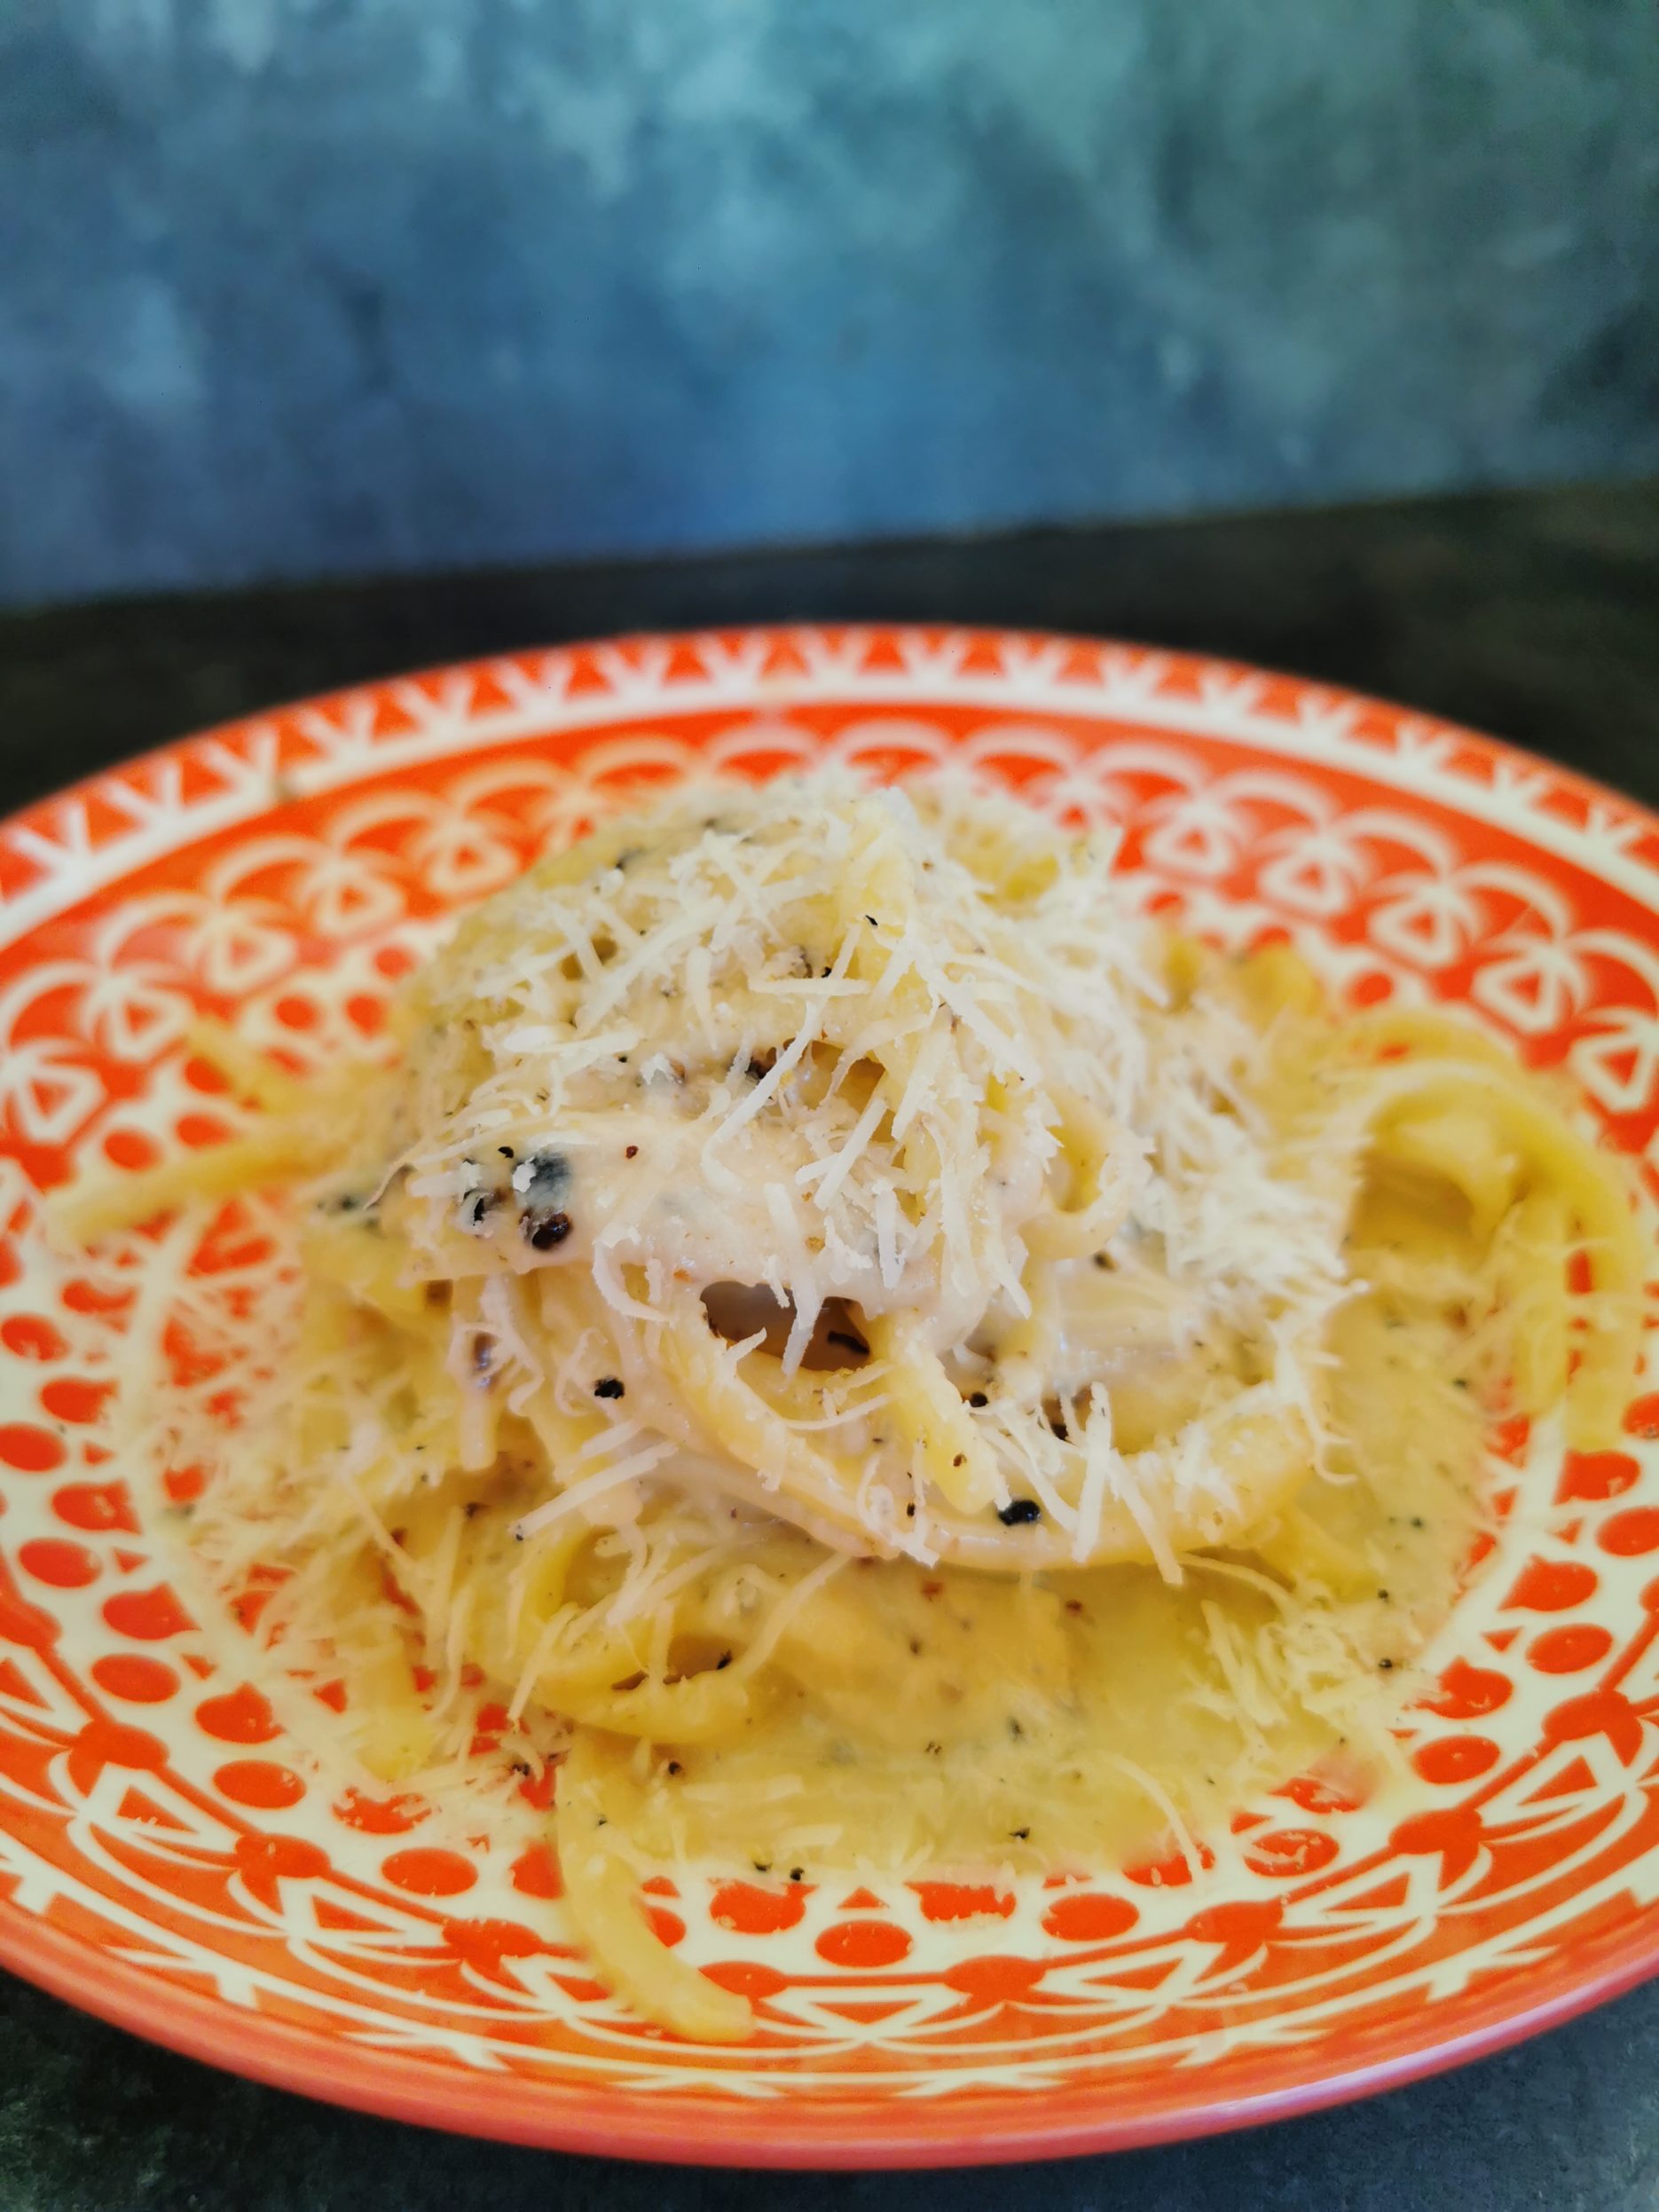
(842, 1060)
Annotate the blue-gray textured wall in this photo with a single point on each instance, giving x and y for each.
(291, 287)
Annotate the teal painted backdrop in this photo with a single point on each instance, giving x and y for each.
(290, 287)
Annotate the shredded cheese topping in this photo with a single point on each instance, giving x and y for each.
(772, 1058)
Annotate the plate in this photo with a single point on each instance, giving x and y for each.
(167, 1861)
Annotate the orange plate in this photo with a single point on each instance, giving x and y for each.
(164, 1860)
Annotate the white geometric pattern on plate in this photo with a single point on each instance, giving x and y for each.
(288, 871)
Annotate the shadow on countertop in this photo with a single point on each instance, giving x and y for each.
(1532, 615)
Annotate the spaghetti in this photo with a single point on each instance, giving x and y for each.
(858, 1349)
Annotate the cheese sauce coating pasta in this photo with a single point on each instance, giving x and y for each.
(863, 1351)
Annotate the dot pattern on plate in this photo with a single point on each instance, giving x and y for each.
(284, 873)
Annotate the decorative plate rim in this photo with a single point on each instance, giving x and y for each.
(830, 2131)
(655, 2128)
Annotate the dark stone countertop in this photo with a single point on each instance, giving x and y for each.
(1533, 615)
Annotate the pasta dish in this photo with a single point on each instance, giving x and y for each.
(828, 1339)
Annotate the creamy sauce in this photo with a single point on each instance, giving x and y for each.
(945, 1719)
